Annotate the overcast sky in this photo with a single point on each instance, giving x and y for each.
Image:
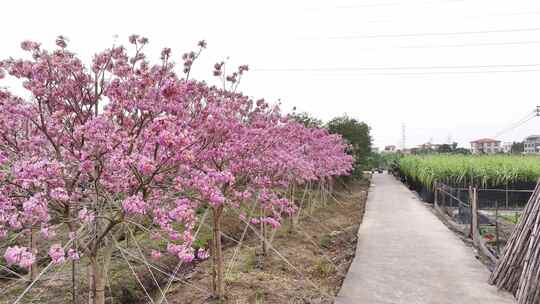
(447, 69)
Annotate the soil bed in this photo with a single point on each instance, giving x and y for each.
(310, 267)
(315, 257)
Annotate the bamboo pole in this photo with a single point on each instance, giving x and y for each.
(474, 218)
(518, 270)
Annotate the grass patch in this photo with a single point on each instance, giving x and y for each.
(512, 218)
(323, 268)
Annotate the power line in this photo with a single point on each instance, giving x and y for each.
(357, 6)
(344, 69)
(513, 127)
(381, 4)
(530, 115)
(456, 45)
(516, 126)
(453, 72)
(466, 17)
(471, 44)
(534, 29)
(447, 72)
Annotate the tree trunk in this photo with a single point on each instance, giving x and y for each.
(97, 282)
(74, 296)
(219, 288)
(34, 268)
(263, 233)
(211, 245)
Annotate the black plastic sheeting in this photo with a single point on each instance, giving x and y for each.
(487, 198)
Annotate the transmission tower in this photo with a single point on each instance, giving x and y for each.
(403, 137)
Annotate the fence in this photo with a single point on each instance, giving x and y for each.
(487, 216)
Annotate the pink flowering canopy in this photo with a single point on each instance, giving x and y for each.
(123, 141)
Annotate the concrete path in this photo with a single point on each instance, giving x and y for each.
(406, 255)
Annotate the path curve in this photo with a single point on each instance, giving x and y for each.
(406, 255)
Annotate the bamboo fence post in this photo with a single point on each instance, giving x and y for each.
(458, 195)
(471, 230)
(497, 227)
(435, 200)
(444, 199)
(474, 220)
(506, 195)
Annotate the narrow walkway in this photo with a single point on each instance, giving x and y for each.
(406, 255)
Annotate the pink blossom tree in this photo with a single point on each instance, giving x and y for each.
(123, 142)
(252, 150)
(91, 148)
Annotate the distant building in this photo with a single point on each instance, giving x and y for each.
(486, 145)
(375, 149)
(406, 151)
(531, 144)
(390, 148)
(507, 147)
(428, 146)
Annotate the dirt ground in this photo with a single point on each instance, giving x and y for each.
(308, 264)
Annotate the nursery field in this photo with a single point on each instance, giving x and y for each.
(464, 170)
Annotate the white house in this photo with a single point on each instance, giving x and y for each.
(507, 147)
(531, 144)
(486, 145)
(390, 148)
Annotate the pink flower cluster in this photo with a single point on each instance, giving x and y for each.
(202, 254)
(73, 254)
(20, 256)
(134, 205)
(57, 254)
(274, 223)
(184, 253)
(85, 215)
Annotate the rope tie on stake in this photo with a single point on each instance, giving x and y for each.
(287, 261)
(177, 268)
